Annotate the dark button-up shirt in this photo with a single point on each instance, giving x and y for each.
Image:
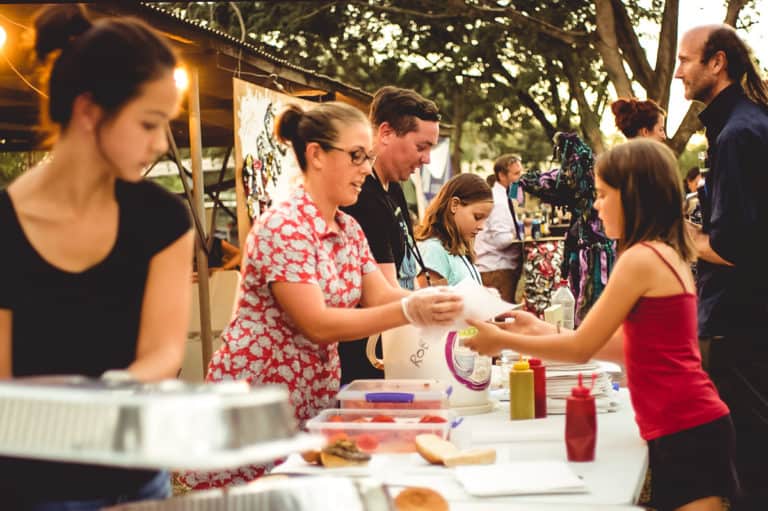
(733, 300)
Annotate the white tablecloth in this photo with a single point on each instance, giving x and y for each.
(613, 480)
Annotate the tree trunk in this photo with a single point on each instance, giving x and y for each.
(734, 7)
(688, 127)
(607, 45)
(666, 54)
(590, 125)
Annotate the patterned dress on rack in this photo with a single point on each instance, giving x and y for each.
(589, 255)
(291, 242)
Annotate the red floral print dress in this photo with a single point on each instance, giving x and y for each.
(290, 243)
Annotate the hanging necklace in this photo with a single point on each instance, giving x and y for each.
(410, 243)
(472, 270)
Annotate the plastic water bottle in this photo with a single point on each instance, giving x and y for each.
(567, 302)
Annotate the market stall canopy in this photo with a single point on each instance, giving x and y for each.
(217, 56)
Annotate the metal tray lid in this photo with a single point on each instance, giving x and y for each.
(170, 424)
(321, 493)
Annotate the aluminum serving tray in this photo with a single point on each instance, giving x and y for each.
(322, 493)
(170, 424)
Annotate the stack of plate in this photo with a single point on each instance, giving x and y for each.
(562, 377)
(273, 494)
(169, 424)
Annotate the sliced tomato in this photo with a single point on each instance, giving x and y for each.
(360, 419)
(432, 419)
(335, 418)
(367, 443)
(382, 418)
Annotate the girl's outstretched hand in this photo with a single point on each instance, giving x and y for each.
(489, 339)
(524, 323)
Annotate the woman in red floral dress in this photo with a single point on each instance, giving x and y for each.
(307, 267)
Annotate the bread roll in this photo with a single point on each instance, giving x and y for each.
(471, 457)
(420, 499)
(438, 451)
(434, 449)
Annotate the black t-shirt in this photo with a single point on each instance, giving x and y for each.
(383, 215)
(81, 323)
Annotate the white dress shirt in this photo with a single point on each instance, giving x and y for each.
(497, 246)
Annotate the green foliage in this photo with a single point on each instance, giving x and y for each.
(509, 86)
(14, 164)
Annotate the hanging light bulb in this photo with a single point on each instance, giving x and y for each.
(181, 78)
(3, 37)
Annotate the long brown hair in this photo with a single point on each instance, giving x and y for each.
(439, 222)
(645, 173)
(741, 62)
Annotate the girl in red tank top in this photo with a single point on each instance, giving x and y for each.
(646, 320)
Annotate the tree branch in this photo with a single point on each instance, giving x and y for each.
(589, 123)
(666, 54)
(524, 98)
(608, 47)
(688, 127)
(631, 49)
(463, 11)
(734, 8)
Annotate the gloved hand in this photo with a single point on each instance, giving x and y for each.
(432, 306)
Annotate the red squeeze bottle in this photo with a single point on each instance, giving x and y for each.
(581, 423)
(539, 387)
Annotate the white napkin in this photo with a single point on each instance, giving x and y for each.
(480, 303)
(519, 478)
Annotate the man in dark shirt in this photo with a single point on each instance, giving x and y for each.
(406, 128)
(732, 282)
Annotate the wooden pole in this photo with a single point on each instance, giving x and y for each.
(198, 184)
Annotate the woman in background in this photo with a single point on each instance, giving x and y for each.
(636, 118)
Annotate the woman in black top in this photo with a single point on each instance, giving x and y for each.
(90, 251)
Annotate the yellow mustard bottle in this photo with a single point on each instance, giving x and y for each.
(521, 398)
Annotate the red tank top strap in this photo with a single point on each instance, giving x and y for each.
(669, 265)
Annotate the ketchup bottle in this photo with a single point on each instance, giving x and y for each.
(539, 387)
(581, 423)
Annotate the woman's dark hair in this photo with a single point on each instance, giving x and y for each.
(319, 124)
(632, 115)
(741, 67)
(645, 173)
(438, 221)
(110, 59)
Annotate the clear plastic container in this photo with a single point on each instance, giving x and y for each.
(382, 430)
(395, 394)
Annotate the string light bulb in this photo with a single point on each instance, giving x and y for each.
(181, 78)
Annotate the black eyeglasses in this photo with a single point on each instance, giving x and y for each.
(359, 156)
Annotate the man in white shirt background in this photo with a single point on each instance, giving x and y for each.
(498, 247)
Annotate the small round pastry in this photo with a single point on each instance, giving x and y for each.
(420, 499)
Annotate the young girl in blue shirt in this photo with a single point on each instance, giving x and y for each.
(446, 235)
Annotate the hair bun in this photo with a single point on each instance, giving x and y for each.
(624, 106)
(56, 26)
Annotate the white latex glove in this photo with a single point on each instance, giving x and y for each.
(432, 306)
